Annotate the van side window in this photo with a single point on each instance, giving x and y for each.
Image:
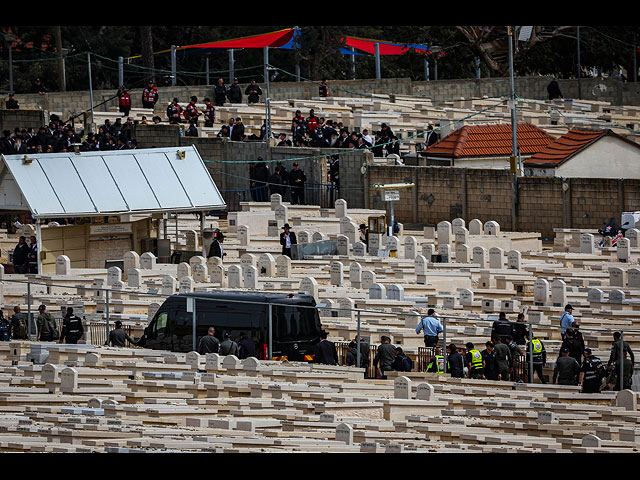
(161, 322)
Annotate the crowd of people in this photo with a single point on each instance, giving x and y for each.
(502, 356)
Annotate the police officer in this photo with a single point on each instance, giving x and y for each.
(220, 93)
(253, 92)
(591, 373)
(235, 94)
(174, 111)
(539, 356)
(474, 362)
(209, 113)
(72, 329)
(118, 336)
(150, 95)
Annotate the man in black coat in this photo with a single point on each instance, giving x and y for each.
(456, 361)
(220, 92)
(21, 256)
(325, 351)
(253, 92)
(287, 239)
(553, 89)
(297, 178)
(234, 94)
(247, 346)
(216, 250)
(237, 134)
(209, 343)
(275, 181)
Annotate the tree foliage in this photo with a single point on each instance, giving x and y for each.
(552, 50)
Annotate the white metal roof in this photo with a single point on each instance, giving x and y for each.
(108, 182)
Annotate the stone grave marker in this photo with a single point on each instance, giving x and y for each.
(303, 236)
(402, 388)
(559, 293)
(368, 279)
(343, 245)
(425, 391)
(377, 291)
(134, 278)
(191, 237)
(217, 276)
(355, 274)
(623, 250)
(341, 208)
(587, 244)
(514, 260)
(266, 265)
(595, 295)
(200, 272)
(480, 256)
(283, 266)
(250, 276)
(463, 253)
(131, 260)
(147, 261)
(344, 433)
(410, 247)
(234, 276)
(395, 292)
(276, 200)
(186, 284)
(632, 235)
(183, 270)
(541, 291)
(359, 249)
(496, 258)
(243, 235)
(633, 275)
(617, 277)
(444, 233)
(63, 265)
(309, 285)
(318, 237)
(337, 273)
(475, 227)
(114, 274)
(168, 285)
(492, 228)
(466, 297)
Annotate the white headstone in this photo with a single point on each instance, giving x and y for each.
(402, 388)
(344, 433)
(282, 214)
(191, 237)
(587, 244)
(514, 260)
(250, 276)
(377, 291)
(216, 275)
(375, 243)
(346, 306)
(341, 208)
(633, 234)
(303, 236)
(541, 291)
(343, 245)
(243, 235)
(147, 261)
(359, 249)
(131, 260)
(355, 274)
(186, 284)
(492, 228)
(318, 237)
(617, 277)
(421, 265)
(461, 235)
(633, 277)
(410, 247)
(496, 258)
(368, 279)
(425, 391)
(475, 227)
(276, 200)
(351, 232)
(395, 292)
(463, 253)
(559, 293)
(283, 266)
(428, 251)
(169, 285)
(114, 274)
(200, 272)
(595, 295)
(337, 273)
(457, 224)
(616, 296)
(248, 259)
(623, 249)
(466, 297)
(480, 256)
(234, 276)
(184, 270)
(63, 265)
(266, 265)
(444, 233)
(134, 278)
(309, 285)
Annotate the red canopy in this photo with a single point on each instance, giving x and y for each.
(273, 39)
(369, 46)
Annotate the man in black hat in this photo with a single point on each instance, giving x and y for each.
(235, 94)
(364, 234)
(591, 373)
(253, 92)
(216, 250)
(287, 239)
(297, 178)
(12, 103)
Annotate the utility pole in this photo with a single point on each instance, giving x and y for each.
(579, 63)
(514, 132)
(62, 81)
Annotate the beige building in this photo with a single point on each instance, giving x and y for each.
(587, 154)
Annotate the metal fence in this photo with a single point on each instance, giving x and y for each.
(322, 194)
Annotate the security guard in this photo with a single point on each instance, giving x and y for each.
(474, 362)
(174, 110)
(191, 113)
(209, 113)
(591, 373)
(539, 356)
(124, 101)
(72, 328)
(437, 363)
(150, 95)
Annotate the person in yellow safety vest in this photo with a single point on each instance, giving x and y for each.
(437, 363)
(539, 356)
(474, 362)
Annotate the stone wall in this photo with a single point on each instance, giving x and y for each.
(24, 118)
(444, 193)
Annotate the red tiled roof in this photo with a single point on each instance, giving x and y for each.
(489, 141)
(566, 146)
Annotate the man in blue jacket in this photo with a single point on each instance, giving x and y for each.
(431, 327)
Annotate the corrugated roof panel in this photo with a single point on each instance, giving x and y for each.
(74, 197)
(197, 186)
(168, 189)
(97, 180)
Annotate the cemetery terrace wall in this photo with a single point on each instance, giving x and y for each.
(444, 193)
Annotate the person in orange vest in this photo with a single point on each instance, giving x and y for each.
(312, 122)
(124, 100)
(150, 95)
(324, 88)
(174, 110)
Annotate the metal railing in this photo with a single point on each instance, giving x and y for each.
(523, 367)
(322, 194)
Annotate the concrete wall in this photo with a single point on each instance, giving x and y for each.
(444, 193)
(608, 90)
(607, 158)
(24, 118)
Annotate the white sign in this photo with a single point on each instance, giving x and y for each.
(391, 195)
(108, 228)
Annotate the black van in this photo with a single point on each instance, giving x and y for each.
(296, 330)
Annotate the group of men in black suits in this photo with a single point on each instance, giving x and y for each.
(287, 240)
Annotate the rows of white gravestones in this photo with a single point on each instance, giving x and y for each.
(205, 401)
